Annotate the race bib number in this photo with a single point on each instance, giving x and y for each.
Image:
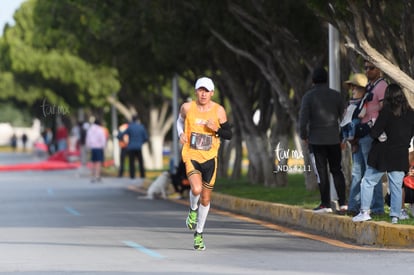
(201, 141)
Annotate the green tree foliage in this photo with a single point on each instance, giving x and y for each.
(260, 54)
(260, 38)
(380, 31)
(10, 114)
(32, 71)
(146, 41)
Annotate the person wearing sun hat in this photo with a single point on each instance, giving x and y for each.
(358, 79)
(355, 111)
(356, 108)
(375, 92)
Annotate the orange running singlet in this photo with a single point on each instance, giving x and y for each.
(202, 143)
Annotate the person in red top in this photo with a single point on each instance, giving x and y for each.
(62, 136)
(408, 188)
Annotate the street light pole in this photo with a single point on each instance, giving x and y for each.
(334, 83)
(175, 115)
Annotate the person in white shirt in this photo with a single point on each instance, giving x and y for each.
(96, 141)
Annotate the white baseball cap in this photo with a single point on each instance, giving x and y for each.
(205, 82)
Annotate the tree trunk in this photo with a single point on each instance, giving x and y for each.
(311, 182)
(159, 124)
(153, 152)
(260, 165)
(347, 164)
(280, 145)
(238, 158)
(358, 31)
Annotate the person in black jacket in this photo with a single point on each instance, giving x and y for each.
(320, 113)
(392, 133)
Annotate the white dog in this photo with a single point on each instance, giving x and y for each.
(159, 186)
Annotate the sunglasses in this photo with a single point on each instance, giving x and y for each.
(369, 68)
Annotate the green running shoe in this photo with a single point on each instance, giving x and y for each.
(191, 220)
(198, 241)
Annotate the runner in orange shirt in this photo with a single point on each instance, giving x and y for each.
(200, 126)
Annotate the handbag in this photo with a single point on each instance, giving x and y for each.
(362, 129)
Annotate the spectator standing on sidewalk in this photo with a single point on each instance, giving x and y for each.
(62, 137)
(200, 125)
(13, 142)
(82, 143)
(137, 136)
(408, 188)
(356, 107)
(96, 142)
(392, 133)
(357, 84)
(375, 94)
(24, 141)
(123, 152)
(320, 113)
(48, 138)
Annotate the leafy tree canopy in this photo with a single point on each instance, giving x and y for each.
(32, 70)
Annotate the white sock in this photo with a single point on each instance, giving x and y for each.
(202, 217)
(194, 201)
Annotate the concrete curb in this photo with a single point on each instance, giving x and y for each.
(381, 234)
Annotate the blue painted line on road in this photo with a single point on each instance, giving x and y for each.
(143, 249)
(72, 211)
(50, 192)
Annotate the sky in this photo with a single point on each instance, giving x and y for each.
(7, 9)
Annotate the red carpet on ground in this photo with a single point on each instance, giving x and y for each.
(43, 165)
(57, 161)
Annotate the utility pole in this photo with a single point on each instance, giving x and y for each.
(334, 83)
(174, 149)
